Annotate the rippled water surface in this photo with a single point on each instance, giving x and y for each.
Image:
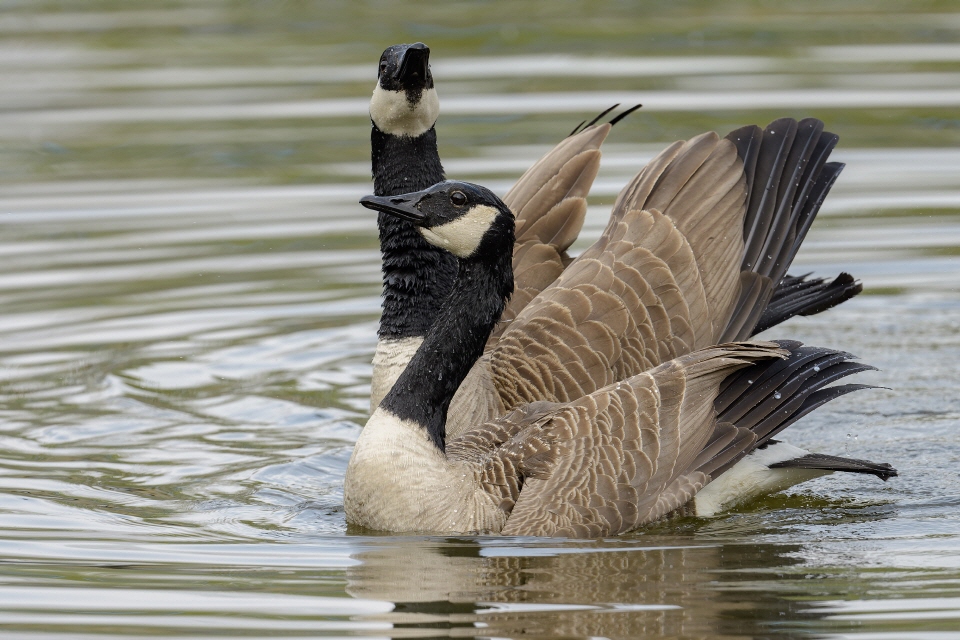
(189, 297)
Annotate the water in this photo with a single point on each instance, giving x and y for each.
(190, 295)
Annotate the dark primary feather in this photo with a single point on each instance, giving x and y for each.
(834, 463)
(586, 125)
(801, 295)
(766, 400)
(759, 402)
(788, 178)
(623, 115)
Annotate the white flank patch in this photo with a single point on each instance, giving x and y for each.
(394, 114)
(752, 477)
(389, 361)
(462, 236)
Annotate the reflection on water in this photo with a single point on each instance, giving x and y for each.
(190, 295)
(602, 588)
(657, 585)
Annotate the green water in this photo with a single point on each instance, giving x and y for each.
(189, 297)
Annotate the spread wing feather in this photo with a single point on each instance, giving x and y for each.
(676, 269)
(550, 203)
(630, 453)
(639, 296)
(612, 460)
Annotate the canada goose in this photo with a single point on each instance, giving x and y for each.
(605, 463)
(691, 257)
(549, 201)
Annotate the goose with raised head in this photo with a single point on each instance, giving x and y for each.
(417, 276)
(608, 462)
(549, 201)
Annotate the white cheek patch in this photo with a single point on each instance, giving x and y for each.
(393, 113)
(462, 236)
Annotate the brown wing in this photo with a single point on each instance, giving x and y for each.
(671, 272)
(550, 202)
(703, 190)
(654, 286)
(613, 460)
(633, 452)
(639, 296)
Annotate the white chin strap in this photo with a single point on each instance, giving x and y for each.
(393, 113)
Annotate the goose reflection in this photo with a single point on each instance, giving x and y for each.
(612, 588)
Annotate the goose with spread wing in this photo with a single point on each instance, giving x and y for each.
(609, 461)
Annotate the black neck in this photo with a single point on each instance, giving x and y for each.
(402, 164)
(423, 391)
(417, 277)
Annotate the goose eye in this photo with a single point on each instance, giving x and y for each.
(383, 68)
(458, 198)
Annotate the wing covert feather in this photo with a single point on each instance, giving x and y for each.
(612, 460)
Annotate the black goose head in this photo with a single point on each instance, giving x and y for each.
(467, 220)
(404, 101)
(406, 67)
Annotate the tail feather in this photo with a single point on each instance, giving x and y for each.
(835, 463)
(758, 402)
(722, 453)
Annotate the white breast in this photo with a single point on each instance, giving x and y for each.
(397, 480)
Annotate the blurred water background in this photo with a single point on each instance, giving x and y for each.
(189, 295)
